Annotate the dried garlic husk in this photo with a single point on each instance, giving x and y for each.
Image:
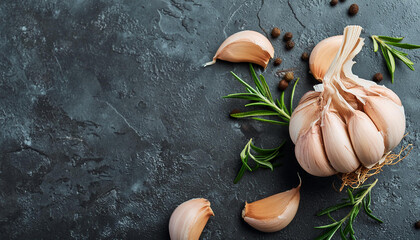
(245, 46)
(189, 219)
(348, 121)
(273, 213)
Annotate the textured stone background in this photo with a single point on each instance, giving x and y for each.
(108, 121)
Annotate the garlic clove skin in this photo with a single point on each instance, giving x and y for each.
(338, 146)
(309, 96)
(386, 92)
(388, 117)
(302, 117)
(323, 55)
(245, 46)
(273, 213)
(310, 153)
(189, 219)
(367, 141)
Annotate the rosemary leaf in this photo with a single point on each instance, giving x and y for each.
(388, 63)
(391, 61)
(390, 53)
(254, 113)
(375, 45)
(403, 45)
(391, 39)
(358, 200)
(270, 121)
(293, 95)
(262, 158)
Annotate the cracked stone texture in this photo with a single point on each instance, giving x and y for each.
(108, 121)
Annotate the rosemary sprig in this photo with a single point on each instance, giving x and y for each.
(391, 53)
(360, 199)
(262, 158)
(262, 96)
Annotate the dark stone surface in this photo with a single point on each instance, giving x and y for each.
(108, 121)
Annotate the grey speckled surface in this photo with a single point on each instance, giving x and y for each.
(108, 121)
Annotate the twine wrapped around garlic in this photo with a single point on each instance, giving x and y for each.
(347, 122)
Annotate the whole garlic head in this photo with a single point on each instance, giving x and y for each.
(347, 121)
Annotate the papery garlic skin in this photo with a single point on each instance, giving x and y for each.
(189, 219)
(273, 213)
(360, 121)
(245, 46)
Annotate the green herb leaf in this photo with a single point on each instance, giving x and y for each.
(293, 95)
(355, 200)
(262, 97)
(391, 61)
(254, 113)
(391, 39)
(388, 63)
(403, 45)
(246, 96)
(375, 45)
(262, 158)
(271, 121)
(390, 53)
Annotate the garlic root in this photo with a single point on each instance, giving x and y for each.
(245, 46)
(273, 213)
(189, 219)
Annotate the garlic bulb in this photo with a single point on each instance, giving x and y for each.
(347, 121)
(189, 219)
(273, 213)
(245, 46)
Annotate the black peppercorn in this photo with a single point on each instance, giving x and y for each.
(234, 111)
(290, 44)
(277, 61)
(289, 76)
(333, 2)
(417, 225)
(305, 56)
(378, 77)
(354, 8)
(288, 36)
(275, 32)
(283, 84)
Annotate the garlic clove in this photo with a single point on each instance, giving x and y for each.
(338, 146)
(302, 117)
(310, 153)
(367, 141)
(388, 117)
(273, 213)
(386, 92)
(189, 219)
(323, 55)
(245, 46)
